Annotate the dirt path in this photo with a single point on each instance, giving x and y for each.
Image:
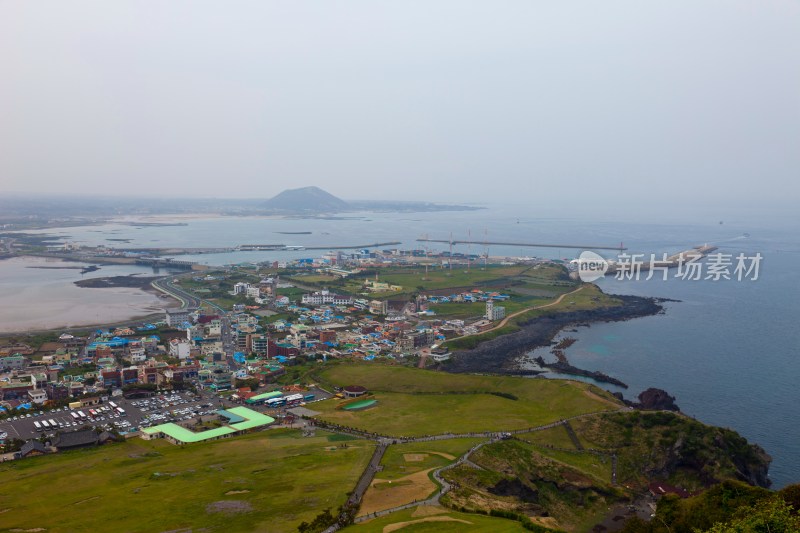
(599, 398)
(401, 525)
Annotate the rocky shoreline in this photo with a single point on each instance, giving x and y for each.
(564, 367)
(500, 355)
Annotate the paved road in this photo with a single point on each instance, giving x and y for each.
(187, 299)
(228, 343)
(369, 474)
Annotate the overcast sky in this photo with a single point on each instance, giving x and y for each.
(620, 102)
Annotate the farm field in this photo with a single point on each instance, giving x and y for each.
(266, 481)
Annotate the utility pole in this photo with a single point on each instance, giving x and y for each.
(469, 249)
(450, 260)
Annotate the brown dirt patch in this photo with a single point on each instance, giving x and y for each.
(445, 455)
(419, 457)
(428, 510)
(597, 397)
(401, 525)
(232, 492)
(50, 346)
(546, 521)
(229, 507)
(385, 494)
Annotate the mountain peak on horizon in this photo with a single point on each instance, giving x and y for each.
(310, 198)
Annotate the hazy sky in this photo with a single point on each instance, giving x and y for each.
(621, 101)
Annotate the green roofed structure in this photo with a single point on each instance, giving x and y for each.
(261, 398)
(180, 435)
(253, 419)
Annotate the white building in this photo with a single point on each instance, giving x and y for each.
(240, 288)
(440, 357)
(179, 348)
(37, 396)
(494, 312)
(214, 328)
(326, 298)
(379, 307)
(176, 318)
(137, 354)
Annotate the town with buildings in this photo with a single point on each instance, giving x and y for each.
(278, 315)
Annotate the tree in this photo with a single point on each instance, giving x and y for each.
(771, 515)
(250, 382)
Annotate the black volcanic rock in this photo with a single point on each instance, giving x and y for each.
(656, 400)
(306, 199)
(499, 355)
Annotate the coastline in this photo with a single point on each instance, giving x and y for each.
(501, 355)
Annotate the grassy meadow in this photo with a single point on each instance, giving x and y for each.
(266, 481)
(414, 402)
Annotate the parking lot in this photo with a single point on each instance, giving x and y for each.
(158, 409)
(173, 407)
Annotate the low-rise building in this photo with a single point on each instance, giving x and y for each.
(178, 317)
(13, 362)
(179, 348)
(31, 448)
(76, 439)
(326, 298)
(37, 396)
(494, 312)
(57, 391)
(379, 307)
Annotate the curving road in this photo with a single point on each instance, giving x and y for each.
(512, 315)
(187, 299)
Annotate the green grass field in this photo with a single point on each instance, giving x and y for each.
(447, 522)
(477, 309)
(598, 467)
(270, 480)
(415, 402)
(396, 466)
(415, 279)
(556, 436)
(573, 489)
